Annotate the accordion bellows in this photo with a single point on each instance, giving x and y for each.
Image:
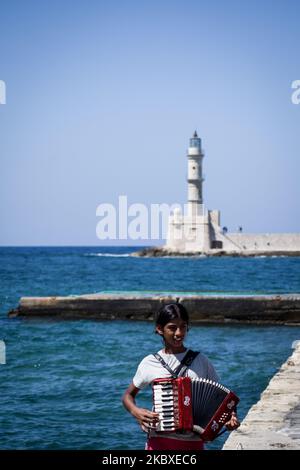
(198, 405)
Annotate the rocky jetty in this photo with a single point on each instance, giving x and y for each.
(158, 252)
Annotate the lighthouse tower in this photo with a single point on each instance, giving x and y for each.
(195, 179)
(191, 231)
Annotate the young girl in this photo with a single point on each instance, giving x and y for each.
(172, 324)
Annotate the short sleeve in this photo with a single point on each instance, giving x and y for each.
(211, 372)
(202, 367)
(141, 379)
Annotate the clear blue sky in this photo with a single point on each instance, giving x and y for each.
(102, 98)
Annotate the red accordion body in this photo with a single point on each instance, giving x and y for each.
(198, 405)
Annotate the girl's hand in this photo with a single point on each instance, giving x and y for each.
(147, 419)
(233, 423)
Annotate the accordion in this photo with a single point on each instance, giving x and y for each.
(198, 405)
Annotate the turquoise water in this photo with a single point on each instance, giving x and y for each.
(62, 384)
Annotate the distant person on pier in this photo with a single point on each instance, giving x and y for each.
(172, 324)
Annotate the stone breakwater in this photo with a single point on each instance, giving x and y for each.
(221, 309)
(274, 422)
(157, 252)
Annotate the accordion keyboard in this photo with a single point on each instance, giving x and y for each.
(165, 406)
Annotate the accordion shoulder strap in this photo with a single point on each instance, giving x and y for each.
(160, 359)
(186, 362)
(182, 367)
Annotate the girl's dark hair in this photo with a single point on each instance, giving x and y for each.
(171, 312)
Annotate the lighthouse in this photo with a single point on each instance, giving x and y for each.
(197, 230)
(195, 179)
(191, 230)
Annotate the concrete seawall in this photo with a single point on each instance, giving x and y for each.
(274, 422)
(258, 309)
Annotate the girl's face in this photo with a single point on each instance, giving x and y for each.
(174, 333)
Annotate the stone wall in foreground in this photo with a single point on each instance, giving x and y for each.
(274, 422)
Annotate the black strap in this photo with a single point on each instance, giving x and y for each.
(186, 362)
(160, 359)
(182, 367)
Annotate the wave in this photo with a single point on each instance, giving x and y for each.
(109, 255)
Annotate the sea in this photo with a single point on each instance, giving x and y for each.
(63, 380)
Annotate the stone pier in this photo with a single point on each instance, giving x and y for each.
(222, 309)
(274, 422)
